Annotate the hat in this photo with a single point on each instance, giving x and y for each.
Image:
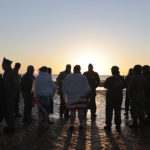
(6, 61)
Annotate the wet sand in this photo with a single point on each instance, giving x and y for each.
(58, 137)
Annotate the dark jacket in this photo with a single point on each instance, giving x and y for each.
(27, 83)
(137, 87)
(11, 85)
(60, 78)
(93, 79)
(114, 86)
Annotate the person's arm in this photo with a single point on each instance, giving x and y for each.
(59, 79)
(106, 83)
(64, 86)
(97, 80)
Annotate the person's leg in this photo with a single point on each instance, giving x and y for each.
(27, 107)
(62, 105)
(9, 115)
(50, 109)
(141, 115)
(72, 117)
(81, 117)
(109, 112)
(17, 114)
(25, 117)
(117, 109)
(93, 104)
(66, 112)
(86, 110)
(134, 114)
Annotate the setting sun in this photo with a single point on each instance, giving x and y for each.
(85, 56)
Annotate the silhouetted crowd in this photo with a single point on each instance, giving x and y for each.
(77, 94)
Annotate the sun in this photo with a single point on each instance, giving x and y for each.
(86, 61)
(90, 57)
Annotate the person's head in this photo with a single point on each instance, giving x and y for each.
(6, 64)
(115, 70)
(49, 71)
(90, 67)
(68, 68)
(131, 71)
(137, 69)
(30, 69)
(17, 66)
(77, 69)
(43, 69)
(146, 69)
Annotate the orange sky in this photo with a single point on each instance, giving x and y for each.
(56, 33)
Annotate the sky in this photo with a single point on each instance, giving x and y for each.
(54, 33)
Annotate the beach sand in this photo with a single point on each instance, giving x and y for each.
(58, 137)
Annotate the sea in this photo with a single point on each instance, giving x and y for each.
(102, 77)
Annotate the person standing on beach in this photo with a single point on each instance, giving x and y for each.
(10, 89)
(75, 89)
(114, 96)
(94, 81)
(63, 109)
(146, 73)
(127, 99)
(16, 70)
(44, 89)
(137, 93)
(27, 92)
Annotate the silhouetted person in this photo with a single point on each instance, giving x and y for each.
(16, 70)
(27, 92)
(146, 73)
(127, 99)
(63, 109)
(44, 89)
(10, 89)
(146, 70)
(75, 88)
(137, 94)
(2, 99)
(94, 81)
(114, 94)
